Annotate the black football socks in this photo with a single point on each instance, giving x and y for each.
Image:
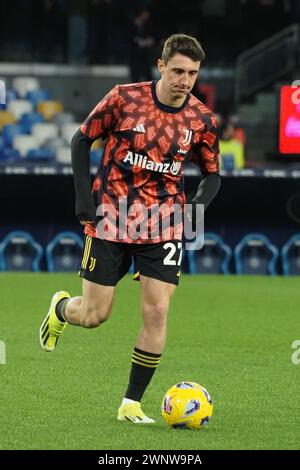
(143, 367)
(61, 308)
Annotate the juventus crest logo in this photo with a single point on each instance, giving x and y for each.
(188, 136)
(92, 264)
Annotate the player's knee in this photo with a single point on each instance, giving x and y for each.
(155, 316)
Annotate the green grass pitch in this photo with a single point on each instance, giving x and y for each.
(231, 334)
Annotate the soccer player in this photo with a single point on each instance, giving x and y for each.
(151, 129)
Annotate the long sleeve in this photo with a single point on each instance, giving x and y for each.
(207, 156)
(207, 190)
(85, 208)
(206, 152)
(98, 124)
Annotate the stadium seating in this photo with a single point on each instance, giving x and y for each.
(9, 155)
(44, 131)
(24, 143)
(11, 94)
(34, 127)
(63, 118)
(64, 252)
(290, 256)
(95, 156)
(255, 254)
(41, 154)
(20, 252)
(10, 131)
(211, 258)
(29, 119)
(54, 143)
(68, 130)
(63, 155)
(35, 96)
(49, 108)
(6, 117)
(97, 144)
(24, 85)
(19, 107)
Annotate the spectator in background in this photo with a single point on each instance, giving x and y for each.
(141, 46)
(232, 153)
(220, 119)
(239, 133)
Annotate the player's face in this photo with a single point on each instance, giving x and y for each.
(179, 75)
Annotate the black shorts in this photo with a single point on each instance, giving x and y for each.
(105, 262)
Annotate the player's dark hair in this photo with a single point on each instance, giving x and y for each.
(182, 44)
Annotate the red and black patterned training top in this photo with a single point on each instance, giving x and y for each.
(146, 146)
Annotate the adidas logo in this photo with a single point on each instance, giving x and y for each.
(140, 128)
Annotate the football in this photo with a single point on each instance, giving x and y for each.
(187, 405)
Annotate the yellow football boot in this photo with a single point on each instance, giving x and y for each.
(52, 327)
(133, 412)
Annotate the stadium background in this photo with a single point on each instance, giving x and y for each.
(72, 53)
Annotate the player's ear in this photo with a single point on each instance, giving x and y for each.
(160, 65)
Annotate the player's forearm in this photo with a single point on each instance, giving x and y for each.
(207, 190)
(80, 147)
